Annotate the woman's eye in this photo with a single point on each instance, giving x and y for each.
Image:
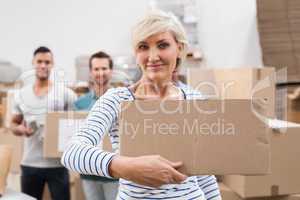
(142, 47)
(163, 45)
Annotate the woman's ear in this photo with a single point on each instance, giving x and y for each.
(180, 49)
(180, 46)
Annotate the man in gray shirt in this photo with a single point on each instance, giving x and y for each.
(31, 104)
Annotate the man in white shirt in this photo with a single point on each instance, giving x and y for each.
(31, 104)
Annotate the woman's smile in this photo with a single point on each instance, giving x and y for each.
(155, 67)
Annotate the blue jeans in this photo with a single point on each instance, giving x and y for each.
(33, 181)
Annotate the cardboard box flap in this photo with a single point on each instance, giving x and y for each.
(207, 135)
(236, 83)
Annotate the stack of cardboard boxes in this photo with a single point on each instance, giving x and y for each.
(278, 24)
(284, 177)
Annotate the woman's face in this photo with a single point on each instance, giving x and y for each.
(157, 56)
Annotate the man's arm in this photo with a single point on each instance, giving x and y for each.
(18, 126)
(17, 123)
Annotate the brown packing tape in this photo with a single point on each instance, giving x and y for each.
(5, 157)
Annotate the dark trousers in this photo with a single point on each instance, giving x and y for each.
(34, 179)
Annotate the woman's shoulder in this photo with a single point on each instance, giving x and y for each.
(122, 93)
(191, 93)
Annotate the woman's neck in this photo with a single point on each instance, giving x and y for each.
(147, 89)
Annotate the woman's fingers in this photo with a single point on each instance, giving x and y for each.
(173, 164)
(177, 165)
(176, 176)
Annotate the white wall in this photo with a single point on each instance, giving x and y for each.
(227, 30)
(70, 28)
(228, 33)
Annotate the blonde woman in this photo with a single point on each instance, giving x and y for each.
(159, 43)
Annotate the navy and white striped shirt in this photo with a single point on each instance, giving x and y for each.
(83, 156)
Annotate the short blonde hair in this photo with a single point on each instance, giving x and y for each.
(157, 21)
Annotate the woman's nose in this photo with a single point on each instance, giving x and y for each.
(153, 55)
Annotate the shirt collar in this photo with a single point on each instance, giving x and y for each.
(93, 95)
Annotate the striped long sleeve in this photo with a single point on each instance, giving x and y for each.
(82, 155)
(210, 187)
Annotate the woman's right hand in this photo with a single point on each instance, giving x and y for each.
(152, 170)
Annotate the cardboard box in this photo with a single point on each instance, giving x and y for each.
(285, 164)
(206, 135)
(271, 5)
(294, 197)
(10, 86)
(228, 194)
(6, 152)
(7, 137)
(9, 107)
(59, 128)
(293, 105)
(239, 83)
(278, 27)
